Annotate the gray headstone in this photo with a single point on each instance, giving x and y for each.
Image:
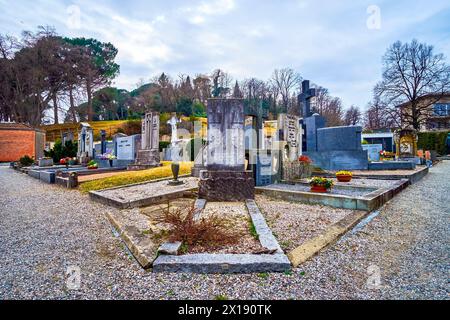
(312, 124)
(226, 135)
(339, 138)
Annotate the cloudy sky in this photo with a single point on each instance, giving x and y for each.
(337, 44)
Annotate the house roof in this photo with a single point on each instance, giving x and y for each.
(431, 95)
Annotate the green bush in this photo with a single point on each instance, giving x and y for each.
(163, 145)
(69, 150)
(26, 161)
(198, 110)
(433, 141)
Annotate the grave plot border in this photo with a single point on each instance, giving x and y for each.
(368, 202)
(98, 195)
(273, 261)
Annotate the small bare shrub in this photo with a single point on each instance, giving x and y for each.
(210, 231)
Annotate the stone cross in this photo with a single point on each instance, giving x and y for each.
(173, 123)
(304, 99)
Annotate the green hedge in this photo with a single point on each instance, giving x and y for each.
(433, 141)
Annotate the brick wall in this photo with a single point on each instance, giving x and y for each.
(14, 144)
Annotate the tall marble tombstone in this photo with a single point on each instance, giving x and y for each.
(291, 132)
(85, 143)
(225, 178)
(148, 155)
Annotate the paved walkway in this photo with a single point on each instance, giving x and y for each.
(44, 230)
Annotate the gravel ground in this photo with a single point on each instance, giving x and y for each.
(45, 229)
(293, 223)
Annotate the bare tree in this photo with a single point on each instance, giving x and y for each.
(411, 71)
(381, 116)
(352, 116)
(285, 80)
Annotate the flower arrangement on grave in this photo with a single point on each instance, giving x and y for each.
(73, 161)
(304, 159)
(110, 158)
(319, 184)
(344, 176)
(386, 155)
(92, 165)
(65, 161)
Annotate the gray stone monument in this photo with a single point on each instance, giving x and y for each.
(304, 99)
(291, 132)
(85, 143)
(148, 155)
(103, 141)
(337, 148)
(225, 178)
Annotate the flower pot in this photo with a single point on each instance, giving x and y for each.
(344, 178)
(318, 189)
(110, 163)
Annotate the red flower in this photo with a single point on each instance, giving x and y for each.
(305, 159)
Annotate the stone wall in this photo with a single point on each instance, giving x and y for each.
(296, 170)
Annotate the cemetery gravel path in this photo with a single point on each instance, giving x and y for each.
(44, 229)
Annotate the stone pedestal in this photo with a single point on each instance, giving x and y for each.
(226, 185)
(145, 159)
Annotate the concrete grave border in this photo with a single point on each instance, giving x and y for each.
(413, 177)
(368, 202)
(273, 261)
(98, 195)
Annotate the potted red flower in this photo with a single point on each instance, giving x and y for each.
(65, 161)
(320, 185)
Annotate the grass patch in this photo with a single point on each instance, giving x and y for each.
(221, 297)
(131, 177)
(263, 275)
(253, 232)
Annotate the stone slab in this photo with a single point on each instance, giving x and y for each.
(139, 244)
(368, 202)
(265, 235)
(47, 176)
(346, 138)
(34, 173)
(311, 247)
(172, 248)
(392, 165)
(222, 263)
(45, 162)
(143, 194)
(340, 160)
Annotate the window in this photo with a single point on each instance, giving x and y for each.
(441, 109)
